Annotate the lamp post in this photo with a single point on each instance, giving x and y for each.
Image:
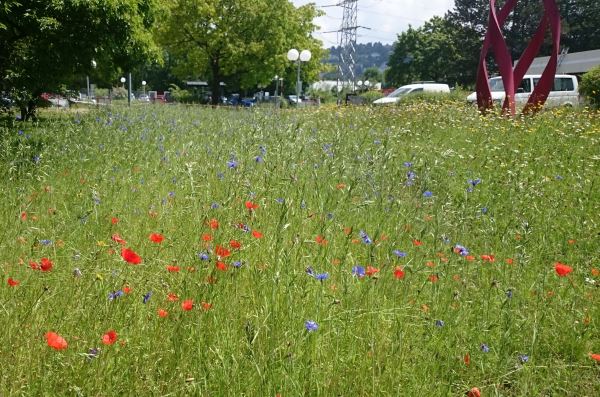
(123, 80)
(144, 87)
(294, 56)
(87, 78)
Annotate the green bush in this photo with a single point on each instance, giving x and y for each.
(590, 87)
(371, 96)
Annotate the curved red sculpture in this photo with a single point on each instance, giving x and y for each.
(512, 77)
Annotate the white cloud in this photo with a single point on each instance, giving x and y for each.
(385, 18)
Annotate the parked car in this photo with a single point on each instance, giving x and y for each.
(294, 99)
(414, 88)
(565, 91)
(144, 98)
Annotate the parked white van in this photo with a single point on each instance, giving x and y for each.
(413, 89)
(565, 91)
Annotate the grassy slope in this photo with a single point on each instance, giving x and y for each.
(159, 169)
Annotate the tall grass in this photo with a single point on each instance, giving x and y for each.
(393, 190)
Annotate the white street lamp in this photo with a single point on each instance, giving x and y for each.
(144, 86)
(123, 80)
(94, 64)
(298, 57)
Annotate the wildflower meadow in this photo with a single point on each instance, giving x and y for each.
(414, 250)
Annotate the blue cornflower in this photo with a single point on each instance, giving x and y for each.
(485, 348)
(262, 149)
(399, 254)
(214, 206)
(365, 237)
(311, 325)
(303, 204)
(509, 293)
(37, 159)
(21, 132)
(46, 242)
(377, 142)
(427, 194)
(358, 271)
(322, 276)
(258, 159)
(93, 353)
(439, 323)
(238, 264)
(523, 358)
(232, 164)
(115, 295)
(147, 297)
(484, 210)
(558, 178)
(309, 270)
(410, 175)
(462, 251)
(408, 164)
(203, 256)
(474, 182)
(171, 194)
(280, 200)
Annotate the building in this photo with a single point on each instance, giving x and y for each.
(574, 63)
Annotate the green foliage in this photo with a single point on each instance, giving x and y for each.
(373, 74)
(371, 95)
(334, 172)
(590, 86)
(242, 43)
(47, 43)
(438, 51)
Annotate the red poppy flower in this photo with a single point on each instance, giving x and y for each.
(399, 273)
(109, 338)
(433, 278)
(130, 256)
(417, 243)
(222, 251)
(162, 313)
(235, 244)
(488, 258)
(561, 269)
(256, 234)
(23, 216)
(222, 266)
(321, 240)
(595, 357)
(117, 239)
(213, 224)
(206, 306)
(474, 392)
(207, 237)
(251, 206)
(45, 264)
(34, 265)
(173, 269)
(509, 261)
(172, 297)
(126, 289)
(467, 359)
(114, 220)
(12, 282)
(56, 341)
(157, 238)
(187, 304)
(470, 258)
(430, 264)
(370, 271)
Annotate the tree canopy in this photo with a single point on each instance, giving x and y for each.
(242, 42)
(45, 43)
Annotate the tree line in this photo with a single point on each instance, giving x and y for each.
(446, 49)
(46, 45)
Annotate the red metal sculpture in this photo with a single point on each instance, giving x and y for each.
(512, 78)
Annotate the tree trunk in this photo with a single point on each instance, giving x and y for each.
(215, 84)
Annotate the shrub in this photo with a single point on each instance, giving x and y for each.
(371, 96)
(590, 86)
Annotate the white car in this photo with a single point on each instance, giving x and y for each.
(413, 89)
(565, 91)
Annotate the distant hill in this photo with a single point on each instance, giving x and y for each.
(367, 55)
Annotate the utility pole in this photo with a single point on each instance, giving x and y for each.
(347, 43)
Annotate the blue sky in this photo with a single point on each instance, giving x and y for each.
(386, 18)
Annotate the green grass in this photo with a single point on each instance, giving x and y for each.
(330, 172)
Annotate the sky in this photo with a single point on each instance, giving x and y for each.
(385, 18)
